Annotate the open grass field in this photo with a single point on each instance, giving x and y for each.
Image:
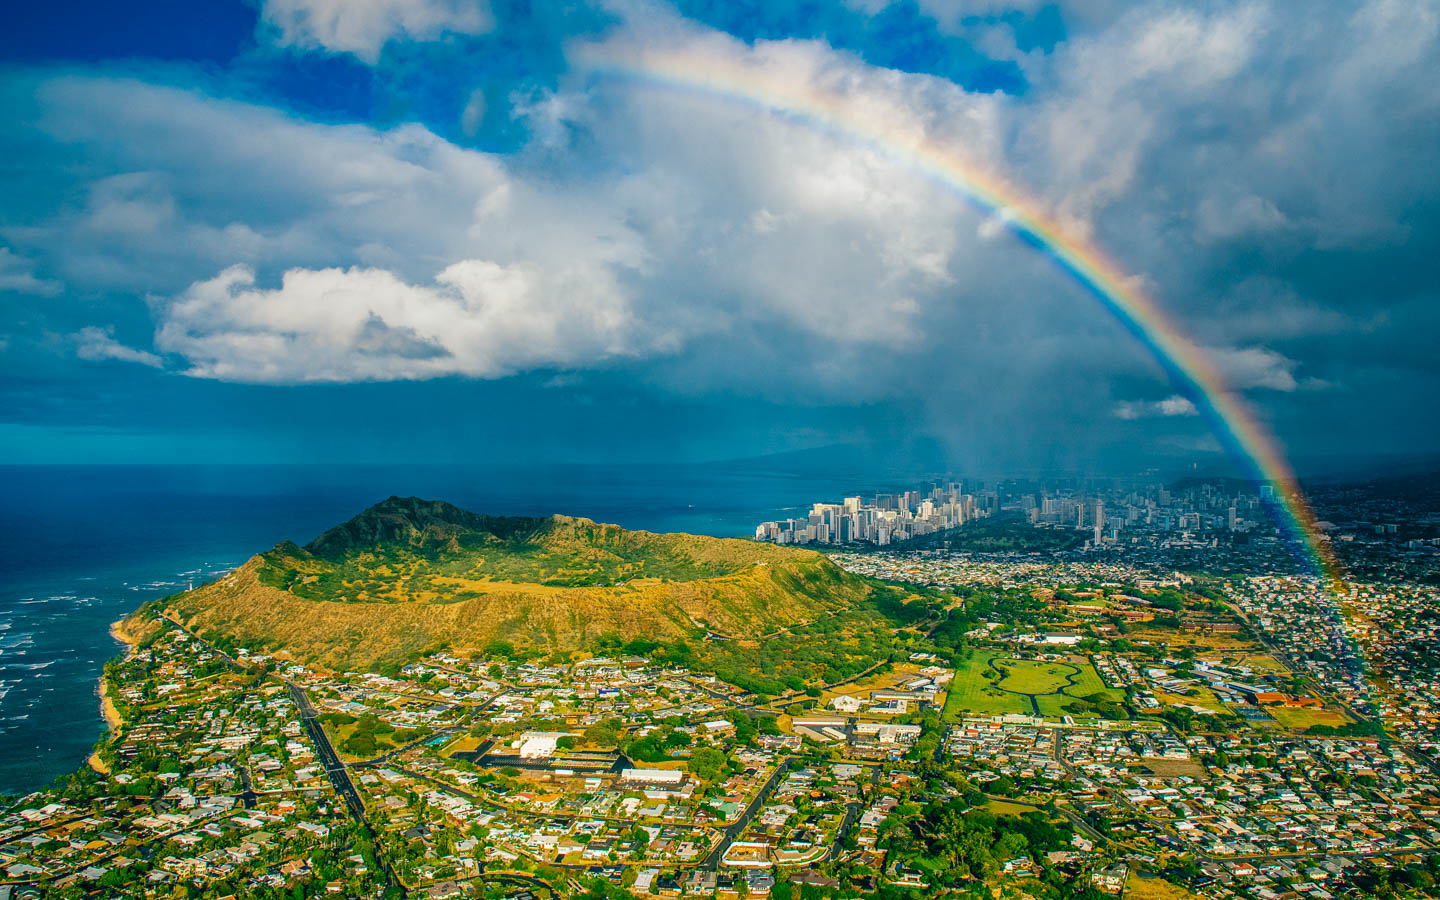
(1203, 697)
(338, 735)
(463, 744)
(1229, 644)
(1026, 676)
(885, 681)
(1137, 888)
(1175, 768)
(971, 693)
(1004, 808)
(1262, 662)
(1088, 683)
(1299, 718)
(1053, 705)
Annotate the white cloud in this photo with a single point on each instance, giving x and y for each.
(948, 13)
(642, 221)
(1174, 405)
(473, 115)
(1177, 406)
(98, 344)
(363, 27)
(1236, 120)
(1244, 368)
(477, 318)
(1226, 216)
(17, 274)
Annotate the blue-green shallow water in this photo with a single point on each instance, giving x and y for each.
(82, 546)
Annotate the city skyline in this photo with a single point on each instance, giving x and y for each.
(1135, 507)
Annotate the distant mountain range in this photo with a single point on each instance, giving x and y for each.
(411, 576)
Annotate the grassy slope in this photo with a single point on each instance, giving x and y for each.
(306, 601)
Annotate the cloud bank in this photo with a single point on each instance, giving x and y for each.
(1252, 169)
(476, 318)
(364, 27)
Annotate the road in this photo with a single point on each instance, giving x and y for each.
(731, 832)
(852, 812)
(334, 769)
(1317, 856)
(247, 795)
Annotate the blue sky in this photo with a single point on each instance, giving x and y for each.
(289, 230)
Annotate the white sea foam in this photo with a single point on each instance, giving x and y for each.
(16, 640)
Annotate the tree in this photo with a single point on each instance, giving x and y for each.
(705, 763)
(605, 733)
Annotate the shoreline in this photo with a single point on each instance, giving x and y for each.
(113, 719)
(118, 632)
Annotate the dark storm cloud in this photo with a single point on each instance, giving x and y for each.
(1268, 177)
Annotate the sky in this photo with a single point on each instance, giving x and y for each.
(412, 231)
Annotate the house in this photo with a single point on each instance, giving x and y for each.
(701, 883)
(1110, 879)
(645, 881)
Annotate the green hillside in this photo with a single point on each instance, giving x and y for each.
(409, 576)
(407, 549)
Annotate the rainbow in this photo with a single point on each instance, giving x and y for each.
(1192, 373)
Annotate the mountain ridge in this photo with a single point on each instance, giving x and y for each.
(411, 519)
(408, 576)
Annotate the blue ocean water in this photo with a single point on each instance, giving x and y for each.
(82, 546)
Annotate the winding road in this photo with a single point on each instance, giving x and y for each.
(1070, 681)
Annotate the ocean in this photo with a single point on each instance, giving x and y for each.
(82, 546)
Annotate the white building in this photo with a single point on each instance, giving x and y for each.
(670, 777)
(538, 744)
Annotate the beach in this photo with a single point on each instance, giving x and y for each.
(113, 720)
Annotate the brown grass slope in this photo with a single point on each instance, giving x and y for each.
(411, 576)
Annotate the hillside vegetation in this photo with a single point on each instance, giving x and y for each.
(410, 576)
(1006, 533)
